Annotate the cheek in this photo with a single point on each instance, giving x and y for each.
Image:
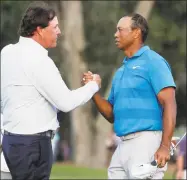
(126, 38)
(50, 33)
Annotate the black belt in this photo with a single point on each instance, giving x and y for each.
(48, 133)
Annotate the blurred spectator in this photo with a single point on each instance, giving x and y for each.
(181, 160)
(55, 145)
(65, 150)
(111, 144)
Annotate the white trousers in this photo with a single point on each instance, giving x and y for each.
(134, 150)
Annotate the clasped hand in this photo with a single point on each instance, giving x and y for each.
(89, 76)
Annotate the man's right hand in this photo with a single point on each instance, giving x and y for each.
(89, 76)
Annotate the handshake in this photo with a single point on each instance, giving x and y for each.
(89, 76)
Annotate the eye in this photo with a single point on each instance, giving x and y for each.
(120, 29)
(56, 27)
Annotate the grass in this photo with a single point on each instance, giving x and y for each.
(63, 171)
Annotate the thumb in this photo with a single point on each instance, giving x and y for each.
(156, 156)
(90, 72)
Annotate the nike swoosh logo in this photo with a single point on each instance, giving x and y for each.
(134, 67)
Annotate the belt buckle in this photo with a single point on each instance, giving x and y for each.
(122, 138)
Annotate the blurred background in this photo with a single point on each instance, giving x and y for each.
(85, 141)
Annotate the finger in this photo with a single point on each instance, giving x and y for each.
(159, 160)
(162, 164)
(168, 158)
(96, 76)
(86, 74)
(88, 78)
(90, 72)
(156, 157)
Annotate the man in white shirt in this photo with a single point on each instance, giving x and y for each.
(5, 173)
(31, 86)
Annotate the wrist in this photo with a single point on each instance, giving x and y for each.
(165, 146)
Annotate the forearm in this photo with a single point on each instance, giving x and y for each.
(180, 162)
(169, 121)
(79, 96)
(104, 107)
(50, 84)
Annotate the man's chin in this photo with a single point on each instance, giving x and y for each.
(120, 47)
(53, 45)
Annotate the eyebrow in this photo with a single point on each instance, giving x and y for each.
(118, 27)
(56, 25)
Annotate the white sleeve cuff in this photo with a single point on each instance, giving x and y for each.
(93, 86)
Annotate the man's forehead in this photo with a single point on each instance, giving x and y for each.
(54, 21)
(124, 22)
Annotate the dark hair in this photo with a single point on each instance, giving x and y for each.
(37, 14)
(138, 21)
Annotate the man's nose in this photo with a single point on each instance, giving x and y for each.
(59, 32)
(115, 34)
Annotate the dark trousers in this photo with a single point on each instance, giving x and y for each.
(28, 157)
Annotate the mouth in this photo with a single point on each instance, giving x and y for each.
(116, 42)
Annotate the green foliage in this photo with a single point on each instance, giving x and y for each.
(167, 36)
(11, 13)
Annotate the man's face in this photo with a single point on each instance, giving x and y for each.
(124, 36)
(50, 34)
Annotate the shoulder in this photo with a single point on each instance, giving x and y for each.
(118, 71)
(155, 60)
(6, 49)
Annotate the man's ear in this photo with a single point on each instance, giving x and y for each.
(137, 33)
(39, 31)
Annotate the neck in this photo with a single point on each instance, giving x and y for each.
(131, 50)
(38, 40)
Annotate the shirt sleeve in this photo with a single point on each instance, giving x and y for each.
(111, 94)
(160, 74)
(46, 78)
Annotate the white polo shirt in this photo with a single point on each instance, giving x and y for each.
(4, 166)
(32, 89)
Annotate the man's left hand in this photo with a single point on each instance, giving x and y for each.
(162, 156)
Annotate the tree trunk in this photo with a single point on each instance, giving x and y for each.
(103, 128)
(73, 44)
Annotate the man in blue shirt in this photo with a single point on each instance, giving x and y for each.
(141, 103)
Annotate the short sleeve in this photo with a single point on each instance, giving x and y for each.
(111, 94)
(160, 74)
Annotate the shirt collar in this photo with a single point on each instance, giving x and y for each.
(138, 53)
(31, 42)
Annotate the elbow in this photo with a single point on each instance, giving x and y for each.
(109, 117)
(66, 110)
(110, 120)
(66, 107)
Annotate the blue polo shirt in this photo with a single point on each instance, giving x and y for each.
(134, 92)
